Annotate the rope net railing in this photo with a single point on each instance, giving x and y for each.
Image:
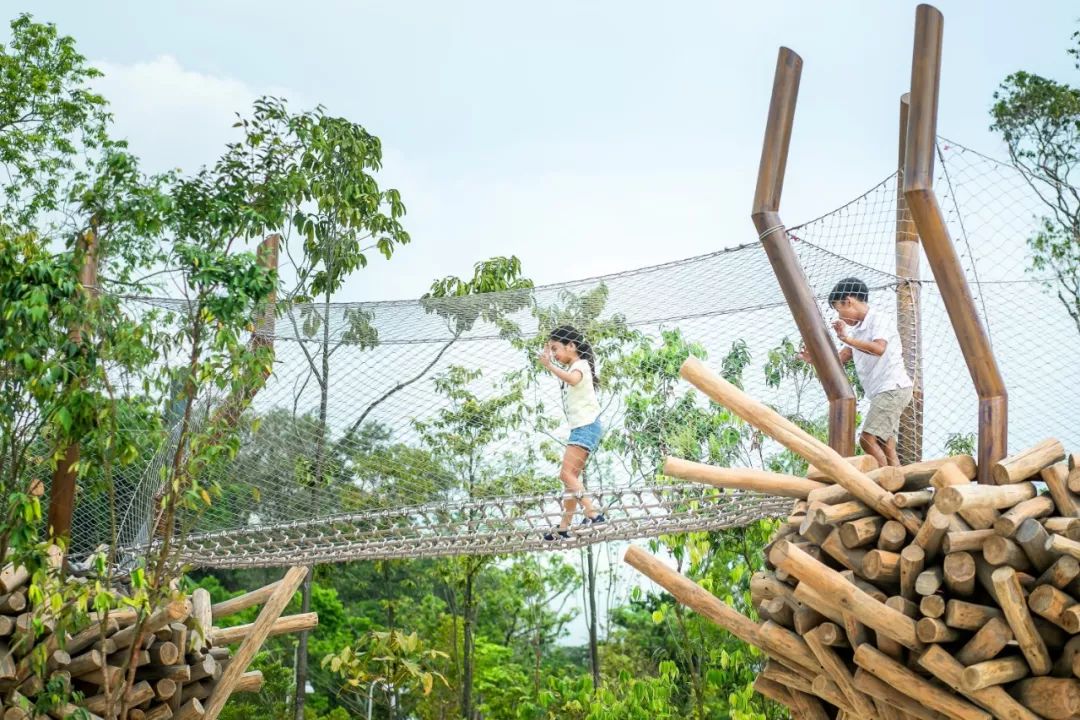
(434, 431)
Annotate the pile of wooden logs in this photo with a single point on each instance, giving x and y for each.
(910, 592)
(183, 667)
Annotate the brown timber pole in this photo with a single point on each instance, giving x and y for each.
(908, 307)
(65, 476)
(938, 245)
(789, 272)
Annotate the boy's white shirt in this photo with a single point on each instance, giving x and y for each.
(579, 401)
(879, 373)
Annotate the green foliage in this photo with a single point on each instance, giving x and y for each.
(960, 444)
(1039, 119)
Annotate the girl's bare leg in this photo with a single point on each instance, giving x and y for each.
(870, 446)
(573, 463)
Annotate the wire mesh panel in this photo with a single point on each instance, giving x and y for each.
(421, 428)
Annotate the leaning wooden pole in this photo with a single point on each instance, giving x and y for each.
(789, 272)
(940, 252)
(65, 476)
(908, 306)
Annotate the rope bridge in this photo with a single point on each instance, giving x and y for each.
(426, 428)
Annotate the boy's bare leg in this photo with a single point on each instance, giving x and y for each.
(870, 446)
(573, 463)
(890, 452)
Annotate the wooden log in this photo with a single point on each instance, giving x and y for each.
(882, 566)
(959, 571)
(781, 643)
(1048, 602)
(945, 668)
(12, 578)
(990, 640)
(1058, 544)
(764, 586)
(930, 581)
(693, 596)
(1023, 465)
(204, 667)
(1056, 479)
(251, 681)
(109, 675)
(95, 634)
(196, 690)
(838, 514)
(861, 532)
(838, 671)
(862, 463)
(899, 677)
(795, 439)
(283, 626)
(1036, 507)
(969, 616)
(7, 625)
(202, 620)
(254, 640)
(977, 514)
(179, 673)
(776, 609)
(913, 499)
(857, 633)
(1065, 526)
(1032, 537)
(851, 559)
(245, 601)
(161, 712)
(164, 688)
(13, 603)
(761, 481)
(931, 533)
(870, 685)
(1052, 698)
(138, 694)
(175, 610)
(917, 476)
(869, 588)
(1070, 619)
(165, 653)
(808, 596)
(933, 630)
(932, 606)
(966, 541)
(993, 672)
(971, 496)
(847, 596)
(1011, 599)
(808, 706)
(912, 559)
(831, 634)
(773, 691)
(886, 644)
(1064, 570)
(999, 550)
(1063, 665)
(892, 537)
(191, 710)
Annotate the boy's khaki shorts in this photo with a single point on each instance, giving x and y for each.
(883, 419)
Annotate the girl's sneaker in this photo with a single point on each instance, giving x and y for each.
(557, 535)
(596, 520)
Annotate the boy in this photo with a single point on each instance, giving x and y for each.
(872, 341)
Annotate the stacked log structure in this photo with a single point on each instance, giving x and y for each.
(905, 593)
(173, 663)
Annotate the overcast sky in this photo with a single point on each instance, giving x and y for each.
(584, 137)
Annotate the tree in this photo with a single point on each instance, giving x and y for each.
(1039, 119)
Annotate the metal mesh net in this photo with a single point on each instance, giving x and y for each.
(421, 428)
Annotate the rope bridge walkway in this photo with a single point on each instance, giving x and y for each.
(426, 428)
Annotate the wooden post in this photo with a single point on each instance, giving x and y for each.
(938, 245)
(65, 476)
(909, 446)
(269, 614)
(789, 272)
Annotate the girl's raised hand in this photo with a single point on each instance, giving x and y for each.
(545, 357)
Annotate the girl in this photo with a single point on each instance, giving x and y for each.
(568, 347)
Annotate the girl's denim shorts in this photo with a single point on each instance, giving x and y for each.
(587, 436)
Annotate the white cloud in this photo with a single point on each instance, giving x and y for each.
(173, 116)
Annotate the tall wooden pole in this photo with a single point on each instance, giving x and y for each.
(65, 476)
(908, 308)
(940, 253)
(789, 272)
